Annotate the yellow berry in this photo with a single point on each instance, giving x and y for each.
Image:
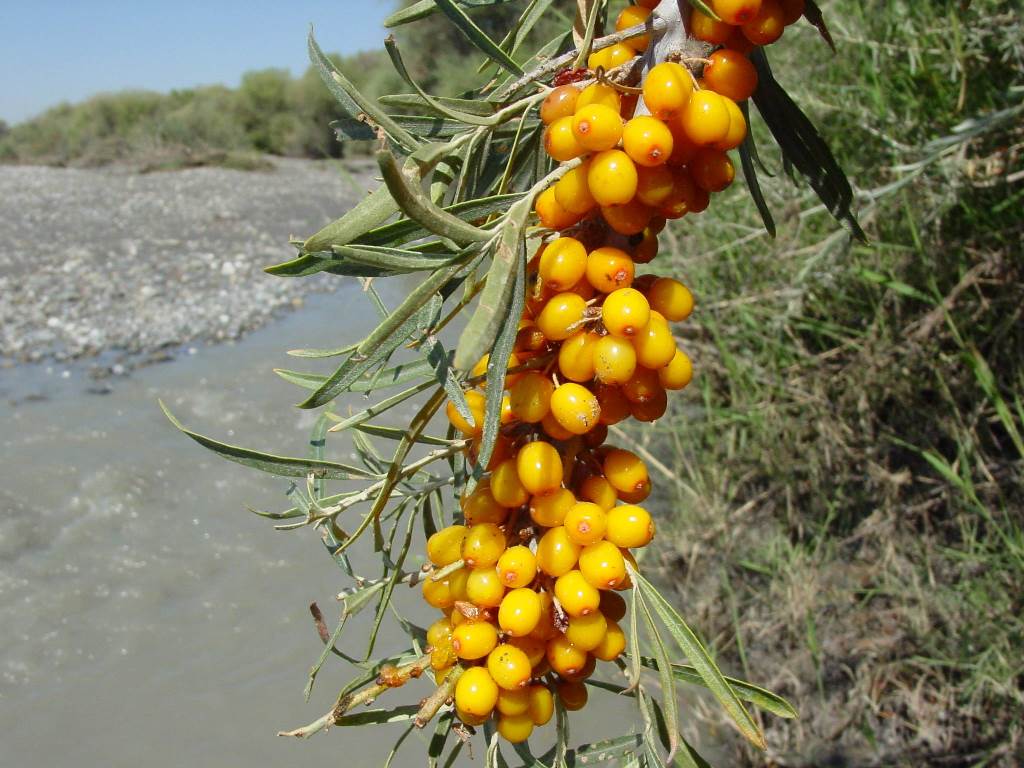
(475, 400)
(736, 12)
(438, 594)
(576, 356)
(572, 191)
(629, 218)
(439, 632)
(624, 470)
(610, 57)
(530, 398)
(445, 546)
(559, 316)
(575, 593)
(481, 507)
(645, 251)
(546, 628)
(602, 566)
(476, 693)
(612, 177)
(517, 566)
(575, 408)
(509, 667)
(520, 612)
(484, 543)
(560, 102)
(614, 641)
(737, 127)
(630, 526)
(599, 93)
(560, 140)
(484, 588)
(625, 312)
(532, 645)
(573, 695)
(474, 640)
(549, 424)
(653, 186)
(586, 522)
(667, 89)
(565, 658)
(562, 263)
(630, 16)
(515, 729)
(614, 360)
(705, 118)
(597, 127)
(654, 344)
(587, 632)
(710, 30)
(597, 490)
(539, 467)
(647, 140)
(551, 214)
(671, 298)
(638, 495)
(541, 705)
(514, 702)
(678, 373)
(458, 582)
(609, 268)
(556, 552)
(549, 509)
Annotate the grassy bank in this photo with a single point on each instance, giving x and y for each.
(847, 503)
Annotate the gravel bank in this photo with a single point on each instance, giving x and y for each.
(105, 259)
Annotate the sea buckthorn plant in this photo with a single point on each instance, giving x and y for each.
(531, 207)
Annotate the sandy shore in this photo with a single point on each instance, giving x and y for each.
(101, 260)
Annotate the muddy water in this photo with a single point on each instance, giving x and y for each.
(145, 617)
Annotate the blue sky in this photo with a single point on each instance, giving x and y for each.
(53, 51)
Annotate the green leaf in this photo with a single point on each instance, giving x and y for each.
(668, 683)
(372, 211)
(409, 229)
(394, 433)
(415, 101)
(283, 466)
(301, 379)
(704, 8)
(389, 585)
(896, 286)
(747, 155)
(476, 36)
(605, 750)
(383, 406)
(352, 129)
(317, 354)
(379, 716)
(813, 14)
(700, 659)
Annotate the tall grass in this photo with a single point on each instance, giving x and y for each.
(848, 470)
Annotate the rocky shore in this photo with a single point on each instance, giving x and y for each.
(96, 260)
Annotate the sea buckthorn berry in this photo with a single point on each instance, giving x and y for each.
(519, 612)
(637, 495)
(610, 57)
(587, 671)
(625, 312)
(517, 566)
(484, 588)
(476, 693)
(642, 386)
(439, 632)
(609, 268)
(585, 523)
(614, 405)
(542, 704)
(560, 140)
(735, 12)
(469, 718)
(596, 436)
(507, 488)
(645, 251)
(480, 369)
(653, 186)
(650, 409)
(737, 127)
(556, 552)
(438, 594)
(710, 30)
(683, 147)
(475, 401)
(549, 510)
(768, 25)
(546, 628)
(576, 594)
(712, 170)
(612, 177)
(629, 218)
(630, 526)
(561, 102)
(484, 543)
(671, 298)
(540, 467)
(647, 140)
(705, 118)
(514, 702)
(667, 88)
(575, 407)
(565, 659)
(480, 507)
(515, 729)
(572, 191)
(587, 632)
(529, 337)
(629, 102)
(560, 314)
(576, 356)
(643, 284)
(599, 93)
(562, 263)
(614, 641)
(731, 74)
(549, 424)
(613, 606)
(599, 491)
(458, 584)
(693, 198)
(584, 289)
(614, 360)
(597, 127)
(551, 214)
(654, 345)
(531, 645)
(530, 398)
(474, 639)
(738, 42)
(573, 695)
(509, 667)
(445, 546)
(630, 16)
(792, 10)
(624, 470)
(602, 566)
(678, 373)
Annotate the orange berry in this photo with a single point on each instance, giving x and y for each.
(542, 704)
(556, 552)
(573, 695)
(484, 588)
(614, 641)
(576, 356)
(625, 312)
(654, 344)
(629, 526)
(475, 400)
(678, 373)
(546, 628)
(629, 218)
(529, 338)
(683, 147)
(614, 360)
(438, 594)
(476, 693)
(667, 88)
(768, 25)
(562, 263)
(515, 702)
(624, 470)
(539, 467)
(599, 491)
(792, 10)
(647, 140)
(712, 170)
(735, 12)
(474, 640)
(614, 405)
(645, 251)
(550, 509)
(482, 507)
(585, 523)
(564, 657)
(520, 612)
(483, 544)
(575, 594)
(609, 268)
(597, 127)
(731, 74)
(599, 93)
(515, 729)
(630, 16)
(737, 41)
(560, 140)
(650, 409)
(551, 214)
(705, 118)
(575, 408)
(530, 398)
(653, 185)
(549, 424)
(560, 314)
(517, 566)
(610, 57)
(737, 127)
(710, 30)
(572, 191)
(642, 386)
(636, 496)
(445, 546)
(686, 197)
(509, 667)
(561, 102)
(532, 645)
(671, 298)
(648, 4)
(612, 177)
(587, 632)
(602, 566)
